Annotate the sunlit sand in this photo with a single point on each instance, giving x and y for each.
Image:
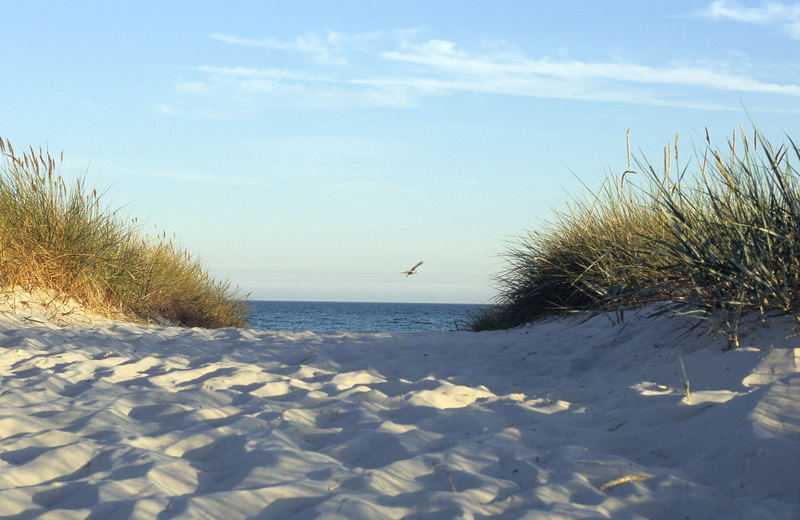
(565, 418)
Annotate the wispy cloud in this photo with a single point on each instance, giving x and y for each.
(784, 15)
(253, 88)
(445, 56)
(396, 69)
(329, 48)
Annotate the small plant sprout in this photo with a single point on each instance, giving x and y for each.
(684, 381)
(437, 469)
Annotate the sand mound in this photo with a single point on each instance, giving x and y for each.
(561, 419)
(48, 308)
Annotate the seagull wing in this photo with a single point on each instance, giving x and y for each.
(413, 270)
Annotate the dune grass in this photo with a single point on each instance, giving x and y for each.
(718, 236)
(59, 238)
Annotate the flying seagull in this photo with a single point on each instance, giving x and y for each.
(413, 270)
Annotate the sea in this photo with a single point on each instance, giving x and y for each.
(359, 316)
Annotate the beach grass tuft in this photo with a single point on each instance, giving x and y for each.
(58, 237)
(717, 237)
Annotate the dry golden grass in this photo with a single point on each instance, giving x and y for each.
(59, 238)
(724, 236)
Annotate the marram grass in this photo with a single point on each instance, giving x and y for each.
(719, 236)
(59, 238)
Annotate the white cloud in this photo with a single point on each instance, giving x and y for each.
(270, 73)
(252, 88)
(395, 69)
(193, 87)
(235, 40)
(444, 56)
(767, 13)
(328, 48)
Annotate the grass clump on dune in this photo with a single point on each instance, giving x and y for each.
(719, 237)
(59, 238)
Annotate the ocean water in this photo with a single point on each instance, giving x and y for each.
(359, 316)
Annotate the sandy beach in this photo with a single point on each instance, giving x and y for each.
(560, 419)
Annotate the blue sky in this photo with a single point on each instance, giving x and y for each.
(314, 150)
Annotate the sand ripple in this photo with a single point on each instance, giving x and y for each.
(562, 419)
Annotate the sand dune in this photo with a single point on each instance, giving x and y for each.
(560, 419)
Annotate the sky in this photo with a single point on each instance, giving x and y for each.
(315, 150)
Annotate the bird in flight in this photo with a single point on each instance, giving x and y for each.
(413, 270)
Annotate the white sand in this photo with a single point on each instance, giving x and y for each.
(113, 420)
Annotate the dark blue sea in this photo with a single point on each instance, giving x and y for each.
(359, 316)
